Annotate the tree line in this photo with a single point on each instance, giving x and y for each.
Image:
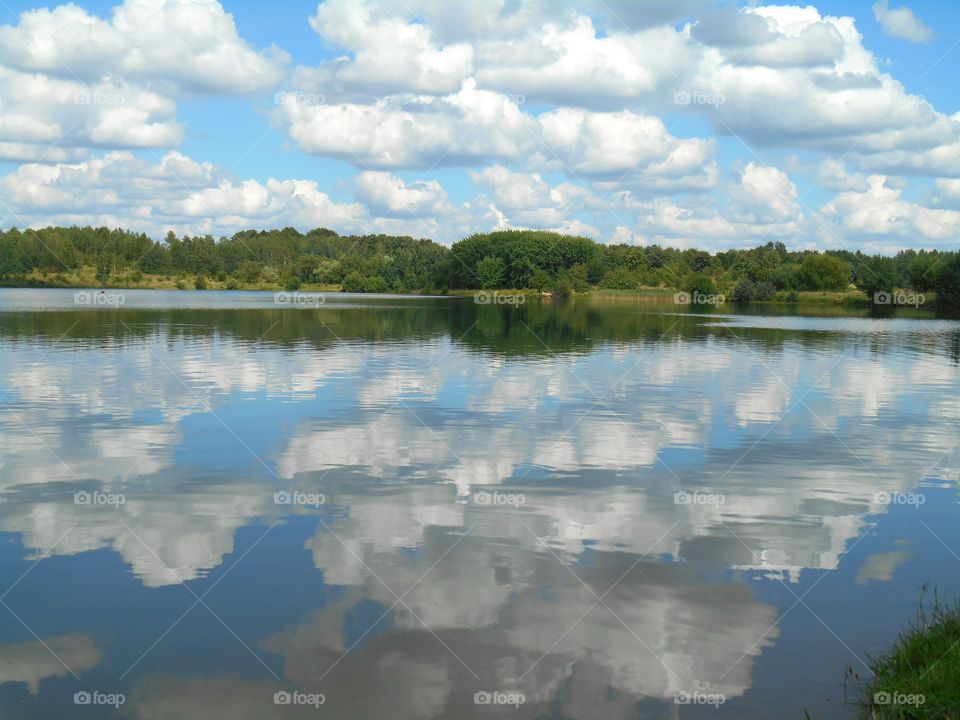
(516, 259)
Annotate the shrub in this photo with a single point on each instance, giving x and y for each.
(490, 272)
(699, 283)
(946, 283)
(824, 272)
(744, 291)
(620, 279)
(563, 288)
(352, 283)
(539, 280)
(375, 284)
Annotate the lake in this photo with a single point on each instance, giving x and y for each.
(394, 507)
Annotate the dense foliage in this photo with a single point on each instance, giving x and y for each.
(373, 263)
(521, 259)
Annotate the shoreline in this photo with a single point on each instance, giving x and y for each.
(81, 281)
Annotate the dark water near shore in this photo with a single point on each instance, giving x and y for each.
(600, 509)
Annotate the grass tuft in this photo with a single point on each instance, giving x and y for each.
(920, 676)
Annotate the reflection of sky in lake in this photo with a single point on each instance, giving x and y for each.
(703, 507)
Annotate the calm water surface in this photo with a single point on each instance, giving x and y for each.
(602, 509)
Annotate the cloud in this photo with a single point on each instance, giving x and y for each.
(43, 117)
(765, 195)
(469, 126)
(785, 38)
(193, 46)
(626, 146)
(121, 190)
(69, 79)
(575, 65)
(772, 97)
(387, 194)
(881, 211)
(901, 23)
(387, 54)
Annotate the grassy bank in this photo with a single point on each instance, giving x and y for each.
(86, 277)
(813, 297)
(920, 676)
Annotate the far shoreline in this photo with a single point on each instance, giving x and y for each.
(851, 298)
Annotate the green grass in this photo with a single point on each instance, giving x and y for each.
(924, 663)
(85, 277)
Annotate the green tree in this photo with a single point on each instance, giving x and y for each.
(946, 283)
(876, 275)
(490, 272)
(579, 278)
(250, 271)
(539, 280)
(824, 272)
(700, 283)
(103, 271)
(352, 283)
(563, 288)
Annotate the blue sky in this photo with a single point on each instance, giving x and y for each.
(687, 123)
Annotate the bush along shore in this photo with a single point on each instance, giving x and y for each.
(920, 676)
(530, 261)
